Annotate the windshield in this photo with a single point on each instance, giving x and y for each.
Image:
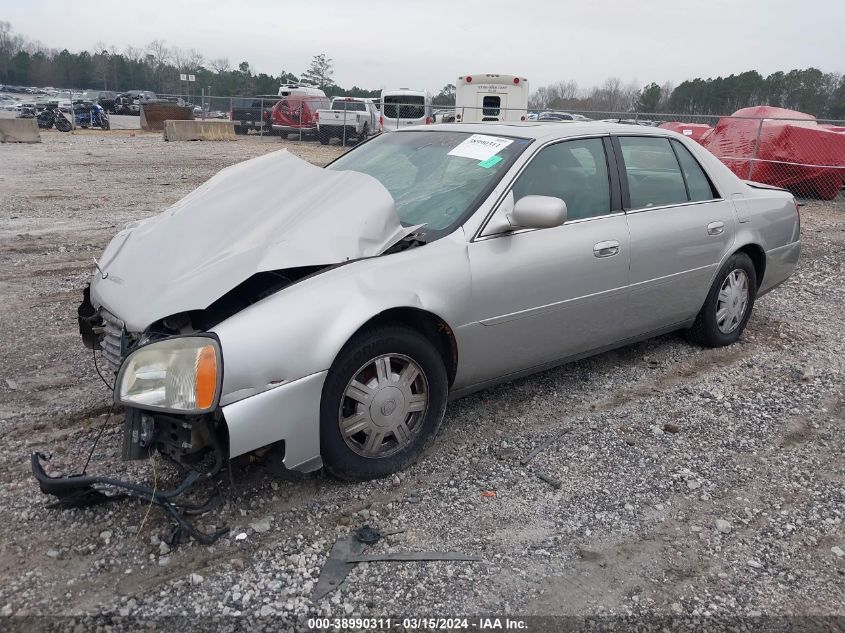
(404, 106)
(436, 178)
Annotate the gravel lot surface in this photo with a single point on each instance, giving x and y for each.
(693, 481)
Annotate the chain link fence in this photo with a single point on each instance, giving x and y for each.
(799, 153)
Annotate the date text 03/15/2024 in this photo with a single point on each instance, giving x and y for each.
(411, 624)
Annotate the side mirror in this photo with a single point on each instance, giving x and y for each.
(537, 212)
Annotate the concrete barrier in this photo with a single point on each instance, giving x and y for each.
(153, 115)
(216, 130)
(21, 131)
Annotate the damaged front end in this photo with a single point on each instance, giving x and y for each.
(164, 283)
(194, 438)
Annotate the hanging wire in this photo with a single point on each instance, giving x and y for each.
(152, 496)
(97, 439)
(105, 382)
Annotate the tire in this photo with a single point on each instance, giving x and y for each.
(324, 137)
(711, 329)
(62, 124)
(406, 352)
(365, 133)
(105, 124)
(239, 130)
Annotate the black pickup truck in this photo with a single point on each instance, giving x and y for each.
(253, 113)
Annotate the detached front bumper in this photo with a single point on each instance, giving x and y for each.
(75, 491)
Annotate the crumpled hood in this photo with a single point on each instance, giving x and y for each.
(272, 212)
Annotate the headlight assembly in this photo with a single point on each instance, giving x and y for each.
(180, 374)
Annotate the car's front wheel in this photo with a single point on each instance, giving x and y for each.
(383, 401)
(728, 306)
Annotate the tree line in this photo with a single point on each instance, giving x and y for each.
(809, 90)
(157, 67)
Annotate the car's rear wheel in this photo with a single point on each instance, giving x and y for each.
(728, 306)
(383, 401)
(324, 137)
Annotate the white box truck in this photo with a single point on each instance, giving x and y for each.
(491, 97)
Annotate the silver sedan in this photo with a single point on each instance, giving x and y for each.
(332, 313)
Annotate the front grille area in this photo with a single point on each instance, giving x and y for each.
(113, 343)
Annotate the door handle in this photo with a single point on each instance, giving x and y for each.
(715, 228)
(606, 249)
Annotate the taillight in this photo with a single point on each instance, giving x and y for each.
(522, 118)
(317, 116)
(516, 80)
(231, 116)
(428, 120)
(469, 79)
(381, 123)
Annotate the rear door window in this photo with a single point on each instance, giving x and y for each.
(654, 175)
(699, 185)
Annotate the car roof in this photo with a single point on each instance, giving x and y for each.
(542, 130)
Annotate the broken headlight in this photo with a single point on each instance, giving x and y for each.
(180, 374)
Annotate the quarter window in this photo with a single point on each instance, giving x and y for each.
(698, 183)
(654, 176)
(574, 171)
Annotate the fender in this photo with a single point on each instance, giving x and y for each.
(299, 331)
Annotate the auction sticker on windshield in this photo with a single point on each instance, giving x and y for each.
(480, 147)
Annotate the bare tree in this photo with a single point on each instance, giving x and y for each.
(195, 60)
(665, 92)
(10, 45)
(220, 65)
(133, 54)
(158, 52)
(557, 96)
(102, 63)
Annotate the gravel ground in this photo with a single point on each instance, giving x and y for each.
(693, 482)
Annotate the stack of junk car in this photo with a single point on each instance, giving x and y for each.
(694, 130)
(794, 151)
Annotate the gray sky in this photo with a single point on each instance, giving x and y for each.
(426, 44)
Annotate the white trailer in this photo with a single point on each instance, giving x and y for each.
(490, 97)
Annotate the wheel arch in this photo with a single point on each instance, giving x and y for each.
(426, 323)
(758, 257)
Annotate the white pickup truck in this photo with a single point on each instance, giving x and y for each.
(349, 117)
